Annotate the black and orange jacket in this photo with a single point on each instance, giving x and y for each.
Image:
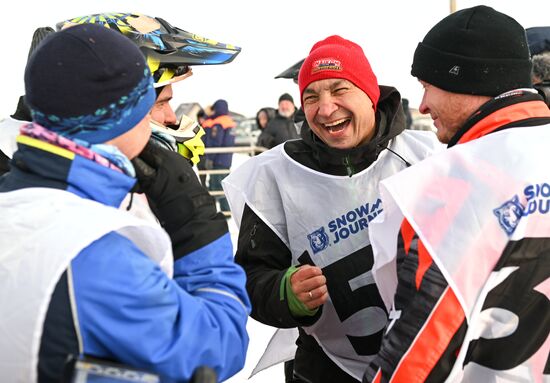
(423, 343)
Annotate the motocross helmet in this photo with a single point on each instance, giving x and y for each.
(169, 52)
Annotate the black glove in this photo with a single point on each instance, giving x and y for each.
(182, 205)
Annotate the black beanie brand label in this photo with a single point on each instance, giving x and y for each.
(455, 70)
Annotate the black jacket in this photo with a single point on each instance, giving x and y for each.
(266, 258)
(277, 131)
(22, 113)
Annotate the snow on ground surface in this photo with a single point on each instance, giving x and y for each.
(259, 333)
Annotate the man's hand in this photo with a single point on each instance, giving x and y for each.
(309, 285)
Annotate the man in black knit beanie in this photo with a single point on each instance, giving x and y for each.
(466, 231)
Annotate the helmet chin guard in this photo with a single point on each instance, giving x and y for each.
(186, 139)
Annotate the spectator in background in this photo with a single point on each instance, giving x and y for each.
(201, 116)
(263, 117)
(407, 111)
(9, 127)
(292, 73)
(218, 128)
(281, 128)
(286, 106)
(541, 75)
(538, 39)
(541, 68)
(539, 46)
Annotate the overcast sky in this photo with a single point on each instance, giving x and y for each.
(272, 35)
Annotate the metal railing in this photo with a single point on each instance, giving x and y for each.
(251, 150)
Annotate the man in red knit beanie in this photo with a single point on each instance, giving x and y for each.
(335, 57)
(304, 209)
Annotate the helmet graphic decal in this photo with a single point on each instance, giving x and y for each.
(169, 50)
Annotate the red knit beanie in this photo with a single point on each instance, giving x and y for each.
(335, 57)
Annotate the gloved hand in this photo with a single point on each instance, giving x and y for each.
(182, 205)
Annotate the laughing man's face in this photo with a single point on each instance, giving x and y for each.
(339, 113)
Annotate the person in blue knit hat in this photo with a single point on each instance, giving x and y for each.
(80, 277)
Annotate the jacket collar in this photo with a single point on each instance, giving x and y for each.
(511, 109)
(35, 166)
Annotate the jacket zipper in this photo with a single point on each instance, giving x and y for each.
(349, 167)
(252, 233)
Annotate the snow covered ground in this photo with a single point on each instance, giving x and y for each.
(259, 333)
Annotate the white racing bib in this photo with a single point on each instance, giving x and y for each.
(466, 204)
(324, 220)
(9, 129)
(41, 231)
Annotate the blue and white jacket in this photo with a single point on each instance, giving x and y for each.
(113, 301)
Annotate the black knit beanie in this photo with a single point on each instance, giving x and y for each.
(286, 97)
(88, 82)
(474, 51)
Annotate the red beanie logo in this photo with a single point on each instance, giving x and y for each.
(326, 64)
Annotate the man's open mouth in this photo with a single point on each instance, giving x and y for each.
(337, 126)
